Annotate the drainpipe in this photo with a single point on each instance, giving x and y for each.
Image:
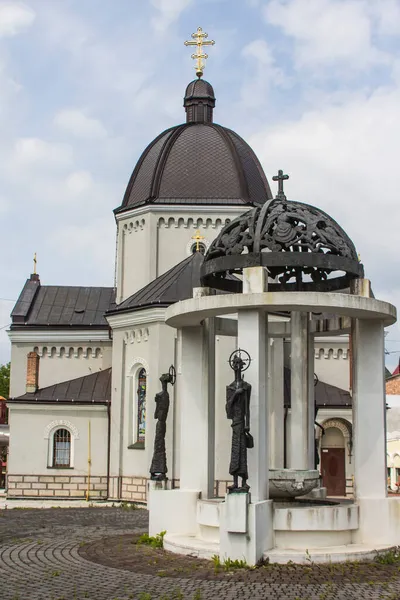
(89, 462)
(108, 447)
(285, 439)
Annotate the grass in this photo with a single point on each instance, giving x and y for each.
(228, 564)
(391, 557)
(156, 541)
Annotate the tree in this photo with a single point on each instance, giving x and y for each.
(5, 380)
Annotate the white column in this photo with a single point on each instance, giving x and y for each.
(299, 391)
(252, 331)
(369, 409)
(276, 396)
(196, 385)
(311, 402)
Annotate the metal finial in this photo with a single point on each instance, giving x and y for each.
(34, 263)
(280, 178)
(199, 56)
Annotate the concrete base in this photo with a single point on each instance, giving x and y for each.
(332, 554)
(251, 545)
(190, 545)
(379, 521)
(172, 510)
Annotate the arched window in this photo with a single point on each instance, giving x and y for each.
(202, 248)
(62, 448)
(141, 406)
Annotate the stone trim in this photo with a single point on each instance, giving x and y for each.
(56, 486)
(60, 423)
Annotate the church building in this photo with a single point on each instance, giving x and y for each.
(86, 361)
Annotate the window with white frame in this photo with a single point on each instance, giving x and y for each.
(61, 449)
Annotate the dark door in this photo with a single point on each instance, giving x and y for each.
(333, 471)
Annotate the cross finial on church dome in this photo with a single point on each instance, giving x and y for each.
(200, 40)
(280, 178)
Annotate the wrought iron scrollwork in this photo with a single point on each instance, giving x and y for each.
(299, 244)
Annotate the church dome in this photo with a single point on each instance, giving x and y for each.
(302, 247)
(198, 162)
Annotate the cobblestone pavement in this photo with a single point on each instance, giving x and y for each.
(39, 560)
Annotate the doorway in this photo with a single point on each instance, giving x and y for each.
(333, 459)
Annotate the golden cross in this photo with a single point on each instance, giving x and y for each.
(200, 41)
(34, 263)
(198, 237)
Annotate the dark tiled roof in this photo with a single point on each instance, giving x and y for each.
(174, 285)
(197, 163)
(94, 388)
(326, 394)
(55, 305)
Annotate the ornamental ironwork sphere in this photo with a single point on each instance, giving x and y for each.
(302, 247)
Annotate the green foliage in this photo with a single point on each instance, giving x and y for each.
(156, 541)
(129, 506)
(144, 596)
(391, 557)
(228, 564)
(5, 380)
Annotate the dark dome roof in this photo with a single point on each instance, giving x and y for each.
(302, 247)
(198, 162)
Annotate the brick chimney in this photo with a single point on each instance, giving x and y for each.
(32, 372)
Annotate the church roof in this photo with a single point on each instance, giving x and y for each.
(326, 395)
(90, 389)
(198, 162)
(59, 305)
(174, 285)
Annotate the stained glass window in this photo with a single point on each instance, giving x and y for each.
(141, 406)
(62, 448)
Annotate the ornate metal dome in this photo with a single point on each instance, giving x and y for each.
(302, 247)
(198, 162)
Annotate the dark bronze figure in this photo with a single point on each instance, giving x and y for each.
(238, 409)
(158, 467)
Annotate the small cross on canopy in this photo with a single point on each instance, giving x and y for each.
(280, 178)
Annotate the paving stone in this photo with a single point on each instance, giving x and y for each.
(40, 560)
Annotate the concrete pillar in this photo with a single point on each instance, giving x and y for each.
(311, 401)
(252, 331)
(299, 430)
(369, 409)
(276, 402)
(196, 388)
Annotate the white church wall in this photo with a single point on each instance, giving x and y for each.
(332, 360)
(150, 346)
(157, 239)
(30, 471)
(59, 361)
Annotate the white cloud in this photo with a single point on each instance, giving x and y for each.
(76, 123)
(344, 159)
(36, 152)
(15, 17)
(168, 12)
(79, 182)
(327, 31)
(261, 74)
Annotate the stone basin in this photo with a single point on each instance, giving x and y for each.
(290, 483)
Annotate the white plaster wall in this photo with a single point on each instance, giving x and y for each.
(154, 352)
(29, 448)
(58, 362)
(332, 361)
(156, 240)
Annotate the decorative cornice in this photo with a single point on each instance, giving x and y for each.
(38, 336)
(138, 317)
(170, 209)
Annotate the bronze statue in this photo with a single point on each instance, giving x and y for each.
(158, 467)
(238, 409)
